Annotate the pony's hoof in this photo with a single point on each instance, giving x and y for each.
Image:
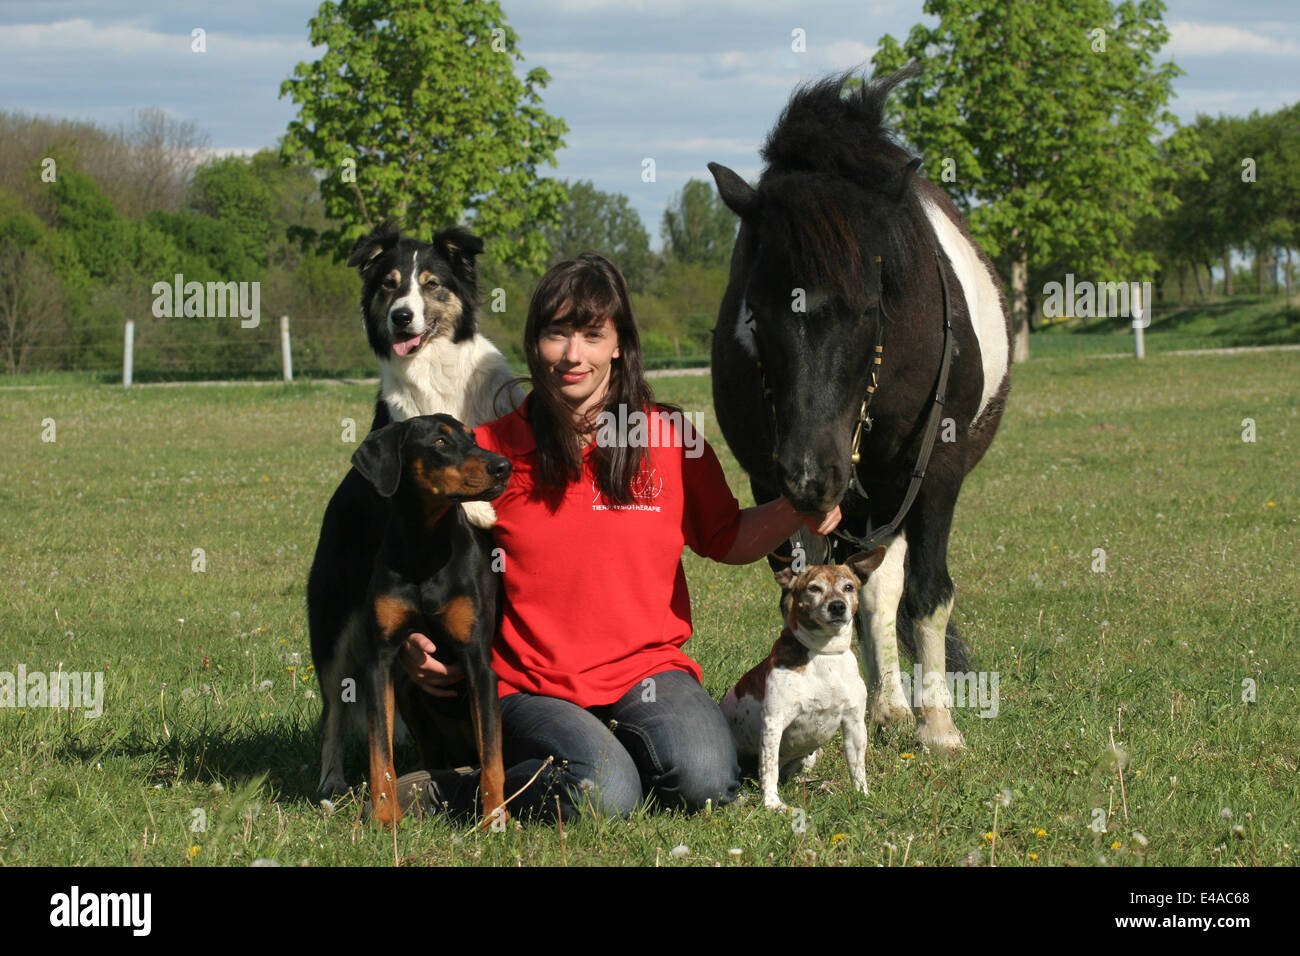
(937, 733)
(889, 716)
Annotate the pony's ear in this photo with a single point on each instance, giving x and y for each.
(379, 458)
(459, 247)
(369, 248)
(903, 180)
(740, 197)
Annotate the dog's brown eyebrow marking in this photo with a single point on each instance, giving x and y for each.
(391, 613)
(458, 619)
(445, 429)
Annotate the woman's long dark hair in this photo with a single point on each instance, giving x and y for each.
(587, 290)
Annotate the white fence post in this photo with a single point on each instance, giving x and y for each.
(284, 348)
(128, 356)
(1141, 320)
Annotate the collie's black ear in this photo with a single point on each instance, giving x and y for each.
(903, 180)
(459, 247)
(740, 197)
(370, 247)
(379, 458)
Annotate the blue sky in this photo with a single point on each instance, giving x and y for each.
(683, 81)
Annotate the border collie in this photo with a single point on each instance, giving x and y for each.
(418, 306)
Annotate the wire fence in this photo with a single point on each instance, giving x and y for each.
(190, 349)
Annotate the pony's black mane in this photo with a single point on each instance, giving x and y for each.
(825, 130)
(829, 154)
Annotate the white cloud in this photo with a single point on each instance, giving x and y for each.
(1206, 39)
(80, 37)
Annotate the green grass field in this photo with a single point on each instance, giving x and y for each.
(206, 752)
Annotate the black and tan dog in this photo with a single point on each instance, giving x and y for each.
(432, 575)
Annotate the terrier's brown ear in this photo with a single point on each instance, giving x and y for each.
(785, 577)
(864, 562)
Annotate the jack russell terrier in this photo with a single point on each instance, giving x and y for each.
(792, 703)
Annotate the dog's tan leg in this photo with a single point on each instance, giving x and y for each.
(881, 594)
(383, 773)
(934, 727)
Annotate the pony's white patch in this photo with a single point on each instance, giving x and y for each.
(468, 380)
(410, 299)
(745, 331)
(982, 301)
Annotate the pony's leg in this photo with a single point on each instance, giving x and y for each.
(878, 612)
(929, 597)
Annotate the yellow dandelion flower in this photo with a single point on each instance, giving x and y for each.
(907, 756)
(1116, 845)
(1270, 504)
(839, 838)
(1040, 833)
(194, 851)
(1034, 857)
(989, 836)
(1137, 773)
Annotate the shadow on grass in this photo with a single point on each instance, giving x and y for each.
(288, 755)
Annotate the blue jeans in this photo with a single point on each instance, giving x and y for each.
(664, 739)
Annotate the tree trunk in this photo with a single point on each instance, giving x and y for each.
(1261, 267)
(1227, 272)
(1182, 296)
(1200, 286)
(1287, 273)
(1020, 308)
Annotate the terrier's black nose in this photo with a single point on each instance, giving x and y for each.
(837, 608)
(401, 317)
(499, 469)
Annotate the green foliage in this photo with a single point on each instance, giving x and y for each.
(698, 227)
(415, 114)
(103, 239)
(1053, 139)
(230, 190)
(605, 223)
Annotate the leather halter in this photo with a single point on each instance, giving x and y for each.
(874, 537)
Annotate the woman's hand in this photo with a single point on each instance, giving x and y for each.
(819, 523)
(763, 527)
(429, 675)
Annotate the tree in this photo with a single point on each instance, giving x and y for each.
(698, 226)
(1045, 116)
(415, 114)
(605, 223)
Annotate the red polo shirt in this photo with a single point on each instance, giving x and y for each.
(595, 593)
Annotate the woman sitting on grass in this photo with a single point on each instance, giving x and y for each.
(589, 658)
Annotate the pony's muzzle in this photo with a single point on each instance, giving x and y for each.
(811, 487)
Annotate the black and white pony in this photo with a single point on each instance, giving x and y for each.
(845, 254)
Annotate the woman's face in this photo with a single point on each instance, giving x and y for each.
(580, 360)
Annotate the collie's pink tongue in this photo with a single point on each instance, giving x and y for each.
(406, 345)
